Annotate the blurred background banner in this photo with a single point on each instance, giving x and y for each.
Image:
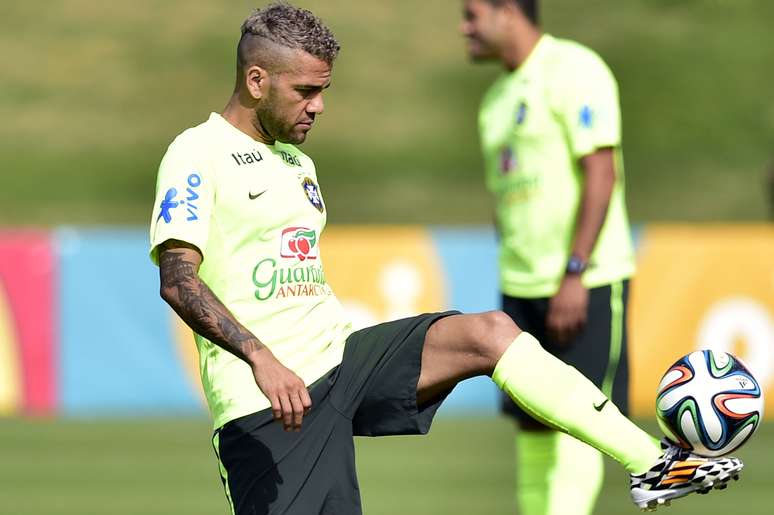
(702, 287)
(83, 331)
(29, 340)
(117, 352)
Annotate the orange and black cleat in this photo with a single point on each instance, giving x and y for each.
(678, 473)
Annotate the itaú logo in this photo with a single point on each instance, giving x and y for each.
(10, 392)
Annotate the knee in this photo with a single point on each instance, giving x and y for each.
(498, 331)
(500, 324)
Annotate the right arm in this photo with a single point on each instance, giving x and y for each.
(200, 308)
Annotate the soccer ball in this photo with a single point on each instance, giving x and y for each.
(709, 402)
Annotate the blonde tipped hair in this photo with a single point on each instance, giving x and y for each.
(282, 25)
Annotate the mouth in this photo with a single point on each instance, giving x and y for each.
(476, 48)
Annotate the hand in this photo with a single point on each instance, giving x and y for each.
(567, 310)
(286, 391)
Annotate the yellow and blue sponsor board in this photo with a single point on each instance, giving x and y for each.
(83, 331)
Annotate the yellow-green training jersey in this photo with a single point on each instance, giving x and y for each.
(535, 124)
(256, 213)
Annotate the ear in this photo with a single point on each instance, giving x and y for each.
(256, 81)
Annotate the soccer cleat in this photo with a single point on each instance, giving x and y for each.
(678, 473)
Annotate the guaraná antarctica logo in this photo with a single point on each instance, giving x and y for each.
(273, 281)
(299, 242)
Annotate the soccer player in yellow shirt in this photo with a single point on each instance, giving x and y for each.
(236, 229)
(551, 139)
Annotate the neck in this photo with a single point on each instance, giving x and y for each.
(522, 41)
(244, 118)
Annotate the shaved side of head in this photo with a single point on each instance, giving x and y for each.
(272, 35)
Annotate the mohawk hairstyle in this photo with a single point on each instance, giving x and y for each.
(283, 25)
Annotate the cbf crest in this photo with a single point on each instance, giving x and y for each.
(313, 193)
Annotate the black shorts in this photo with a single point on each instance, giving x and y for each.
(266, 470)
(598, 352)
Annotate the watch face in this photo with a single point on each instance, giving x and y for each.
(575, 265)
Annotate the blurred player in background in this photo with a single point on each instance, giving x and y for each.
(551, 138)
(236, 233)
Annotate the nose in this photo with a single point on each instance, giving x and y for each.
(316, 104)
(466, 27)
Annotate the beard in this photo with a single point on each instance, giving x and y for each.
(479, 50)
(274, 125)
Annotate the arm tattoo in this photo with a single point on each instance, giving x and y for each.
(198, 306)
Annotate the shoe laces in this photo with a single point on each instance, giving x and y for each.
(674, 452)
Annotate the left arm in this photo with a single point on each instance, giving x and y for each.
(568, 308)
(599, 180)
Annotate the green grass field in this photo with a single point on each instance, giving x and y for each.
(164, 467)
(93, 92)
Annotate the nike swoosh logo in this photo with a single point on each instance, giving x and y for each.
(253, 197)
(599, 408)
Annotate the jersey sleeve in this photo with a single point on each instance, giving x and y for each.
(185, 195)
(586, 100)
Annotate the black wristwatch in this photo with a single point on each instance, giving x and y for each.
(575, 265)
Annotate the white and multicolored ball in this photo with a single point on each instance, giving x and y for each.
(709, 402)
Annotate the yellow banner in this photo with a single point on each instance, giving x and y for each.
(701, 287)
(10, 377)
(383, 273)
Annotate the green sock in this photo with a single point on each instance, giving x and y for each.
(556, 474)
(535, 455)
(563, 398)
